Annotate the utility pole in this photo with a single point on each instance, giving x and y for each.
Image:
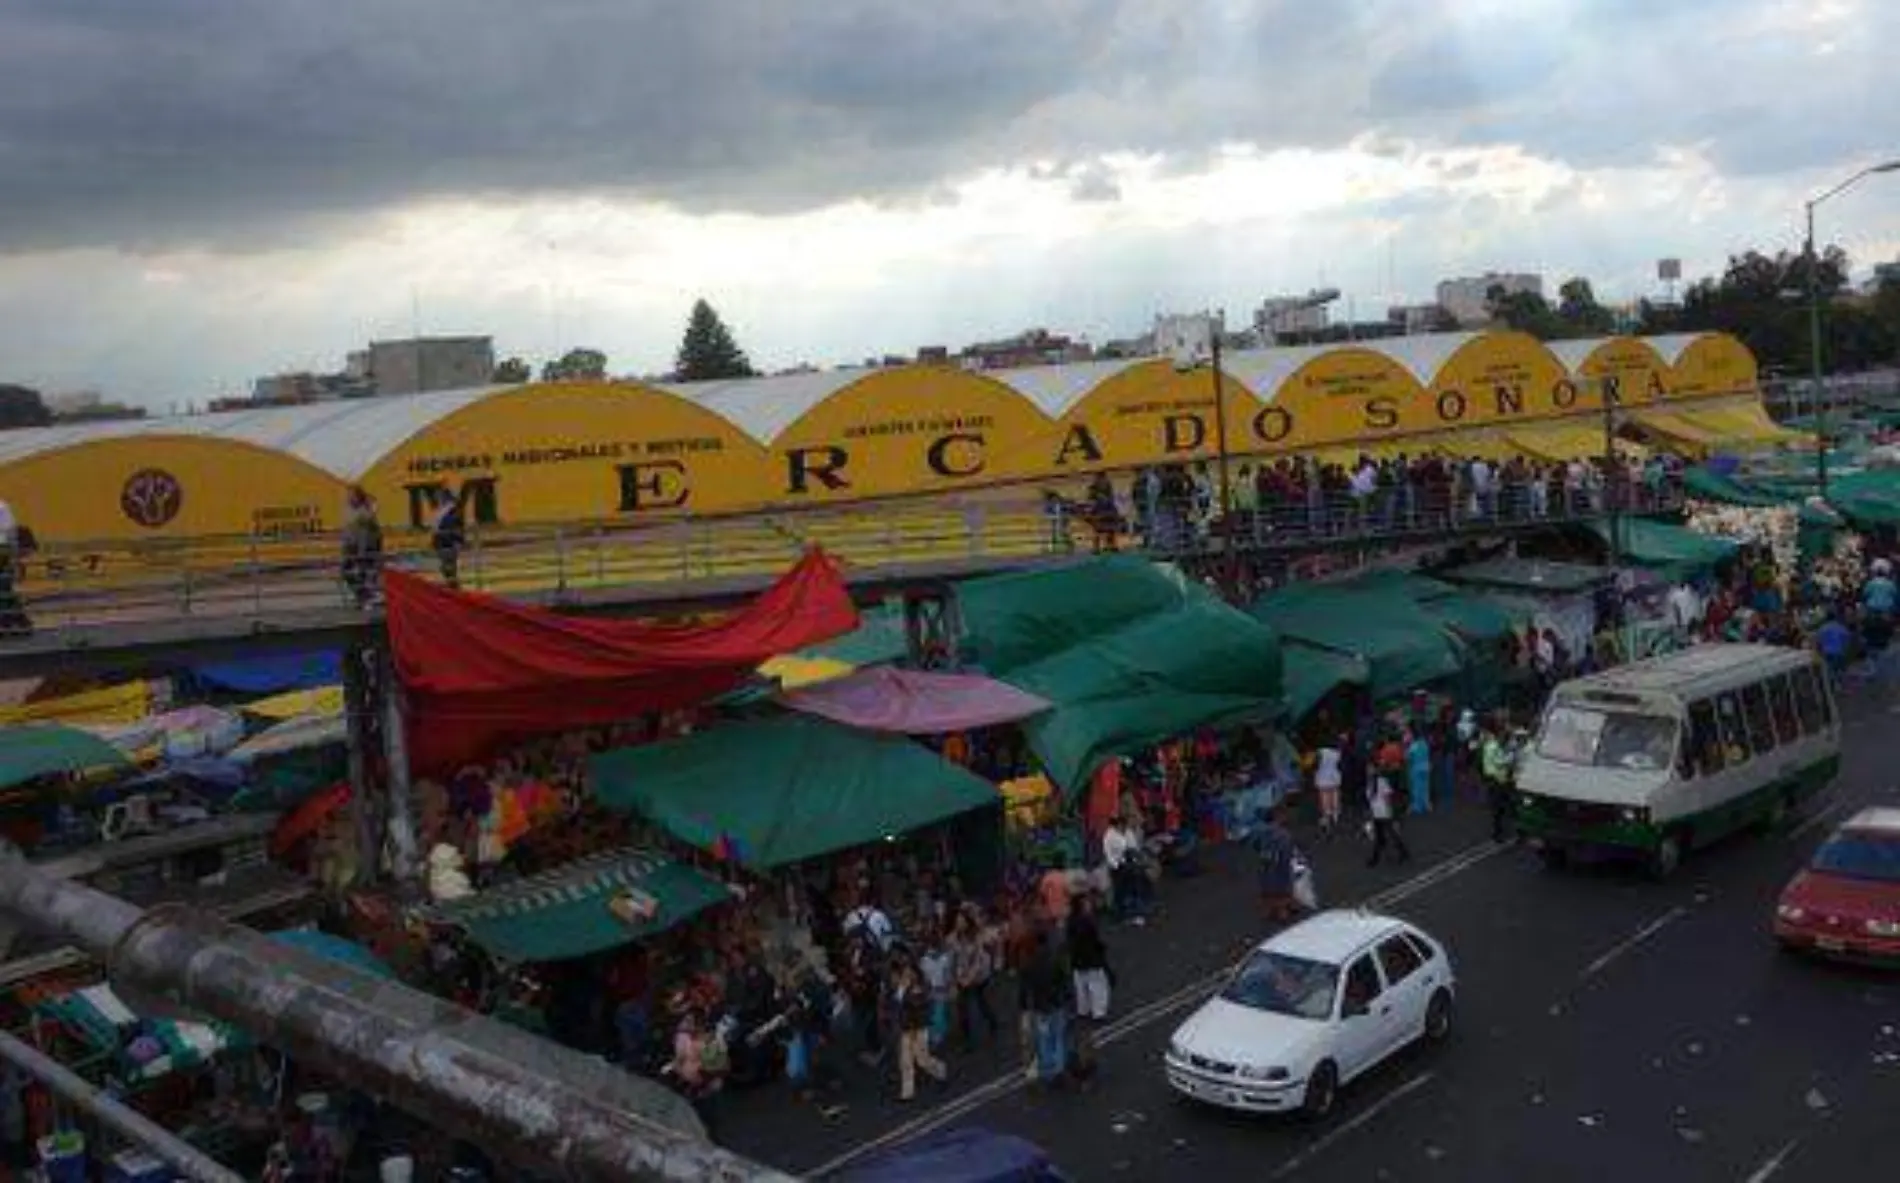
(1822, 403)
(1218, 329)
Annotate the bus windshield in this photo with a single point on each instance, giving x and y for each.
(1605, 739)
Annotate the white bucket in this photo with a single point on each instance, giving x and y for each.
(397, 1168)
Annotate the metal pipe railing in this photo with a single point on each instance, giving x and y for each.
(122, 1120)
(284, 578)
(521, 1099)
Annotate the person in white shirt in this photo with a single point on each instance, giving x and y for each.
(1118, 849)
(1326, 780)
(1385, 827)
(869, 919)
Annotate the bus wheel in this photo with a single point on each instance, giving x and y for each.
(1667, 856)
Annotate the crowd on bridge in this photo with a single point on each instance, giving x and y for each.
(1173, 508)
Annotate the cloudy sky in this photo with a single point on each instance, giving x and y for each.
(193, 192)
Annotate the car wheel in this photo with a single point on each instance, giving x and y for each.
(1555, 858)
(1667, 856)
(1438, 1017)
(1322, 1089)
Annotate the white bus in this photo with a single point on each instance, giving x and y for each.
(1665, 755)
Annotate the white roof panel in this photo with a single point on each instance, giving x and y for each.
(1056, 389)
(1264, 371)
(763, 407)
(1574, 353)
(1672, 345)
(1424, 354)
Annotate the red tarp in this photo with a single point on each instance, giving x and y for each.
(481, 672)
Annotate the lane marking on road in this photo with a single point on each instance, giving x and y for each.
(1630, 942)
(1339, 1132)
(1814, 819)
(1141, 1017)
(1768, 1169)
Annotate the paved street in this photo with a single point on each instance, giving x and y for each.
(1609, 1028)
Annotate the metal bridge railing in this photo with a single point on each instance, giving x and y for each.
(75, 585)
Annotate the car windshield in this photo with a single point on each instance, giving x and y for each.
(1860, 855)
(1284, 985)
(1604, 739)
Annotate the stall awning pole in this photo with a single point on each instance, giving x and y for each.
(128, 1123)
(524, 1100)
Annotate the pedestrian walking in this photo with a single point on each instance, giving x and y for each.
(939, 974)
(1274, 848)
(911, 999)
(1088, 963)
(1418, 770)
(1328, 776)
(16, 543)
(1046, 994)
(1494, 759)
(362, 546)
(448, 533)
(1382, 802)
(973, 964)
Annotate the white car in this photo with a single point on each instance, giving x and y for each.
(1311, 1009)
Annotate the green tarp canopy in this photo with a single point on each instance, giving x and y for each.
(1472, 617)
(879, 639)
(1675, 552)
(771, 792)
(1313, 673)
(1129, 656)
(1869, 498)
(1402, 646)
(46, 749)
(1700, 482)
(1533, 576)
(570, 911)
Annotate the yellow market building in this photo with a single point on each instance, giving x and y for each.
(623, 451)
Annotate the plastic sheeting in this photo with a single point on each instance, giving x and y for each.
(958, 1156)
(481, 671)
(782, 790)
(272, 673)
(1128, 656)
(48, 749)
(125, 703)
(913, 702)
(321, 700)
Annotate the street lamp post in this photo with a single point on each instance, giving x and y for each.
(1821, 403)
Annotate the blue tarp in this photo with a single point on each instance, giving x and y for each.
(274, 673)
(958, 1156)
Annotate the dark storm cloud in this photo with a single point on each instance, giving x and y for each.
(226, 122)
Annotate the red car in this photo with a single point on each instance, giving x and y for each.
(1847, 902)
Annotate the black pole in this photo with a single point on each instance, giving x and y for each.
(1220, 444)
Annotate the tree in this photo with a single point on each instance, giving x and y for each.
(707, 351)
(22, 406)
(576, 365)
(1577, 307)
(514, 370)
(1527, 312)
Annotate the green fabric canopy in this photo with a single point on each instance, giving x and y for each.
(780, 790)
(1403, 647)
(45, 749)
(1676, 552)
(1867, 498)
(1313, 673)
(1129, 656)
(566, 912)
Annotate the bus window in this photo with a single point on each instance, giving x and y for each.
(1728, 712)
(1705, 740)
(1810, 701)
(1781, 706)
(1761, 732)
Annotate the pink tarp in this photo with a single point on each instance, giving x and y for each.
(913, 703)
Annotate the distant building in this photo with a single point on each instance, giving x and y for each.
(88, 406)
(1468, 298)
(1420, 318)
(1283, 318)
(1033, 347)
(933, 355)
(1127, 347)
(430, 363)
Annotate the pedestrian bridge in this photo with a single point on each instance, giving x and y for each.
(96, 606)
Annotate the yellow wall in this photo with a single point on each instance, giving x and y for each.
(1712, 366)
(1150, 413)
(919, 429)
(607, 451)
(158, 487)
(580, 451)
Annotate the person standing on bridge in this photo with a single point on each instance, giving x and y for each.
(16, 542)
(448, 534)
(362, 546)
